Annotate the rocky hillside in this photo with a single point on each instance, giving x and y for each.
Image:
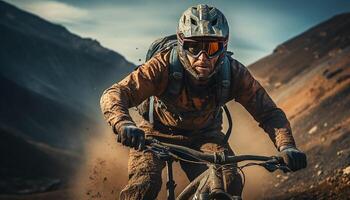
(51, 81)
(309, 76)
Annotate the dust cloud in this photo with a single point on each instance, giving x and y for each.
(104, 170)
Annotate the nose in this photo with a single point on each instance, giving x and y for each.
(202, 56)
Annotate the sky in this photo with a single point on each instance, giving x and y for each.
(129, 27)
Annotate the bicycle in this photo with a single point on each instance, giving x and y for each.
(207, 186)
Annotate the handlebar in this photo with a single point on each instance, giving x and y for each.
(176, 151)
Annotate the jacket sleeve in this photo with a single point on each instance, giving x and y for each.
(248, 92)
(147, 80)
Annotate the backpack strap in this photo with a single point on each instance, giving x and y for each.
(169, 42)
(174, 83)
(176, 75)
(151, 110)
(224, 78)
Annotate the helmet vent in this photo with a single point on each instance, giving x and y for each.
(193, 21)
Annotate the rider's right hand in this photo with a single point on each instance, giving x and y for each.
(132, 136)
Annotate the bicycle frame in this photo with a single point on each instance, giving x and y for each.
(207, 184)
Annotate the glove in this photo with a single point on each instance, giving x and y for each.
(132, 136)
(293, 158)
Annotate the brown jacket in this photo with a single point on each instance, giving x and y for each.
(151, 79)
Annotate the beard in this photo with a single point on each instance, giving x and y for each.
(203, 69)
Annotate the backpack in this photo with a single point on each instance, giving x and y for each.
(175, 83)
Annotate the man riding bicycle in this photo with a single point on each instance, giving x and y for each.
(184, 87)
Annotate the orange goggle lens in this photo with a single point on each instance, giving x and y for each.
(211, 48)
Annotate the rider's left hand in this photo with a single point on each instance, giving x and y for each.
(294, 158)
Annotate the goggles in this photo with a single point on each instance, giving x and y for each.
(195, 47)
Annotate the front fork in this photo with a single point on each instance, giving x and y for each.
(212, 186)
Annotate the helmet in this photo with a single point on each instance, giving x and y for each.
(205, 23)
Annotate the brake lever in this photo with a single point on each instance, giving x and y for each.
(274, 164)
(281, 165)
(159, 150)
(151, 140)
(269, 167)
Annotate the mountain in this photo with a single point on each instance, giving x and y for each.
(51, 81)
(309, 76)
(48, 59)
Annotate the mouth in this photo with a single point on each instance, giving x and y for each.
(202, 69)
(201, 65)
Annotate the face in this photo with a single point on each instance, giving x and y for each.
(203, 65)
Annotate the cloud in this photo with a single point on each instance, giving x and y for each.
(127, 30)
(57, 11)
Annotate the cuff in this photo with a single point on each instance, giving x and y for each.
(284, 138)
(117, 128)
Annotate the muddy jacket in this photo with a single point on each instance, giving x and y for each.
(151, 79)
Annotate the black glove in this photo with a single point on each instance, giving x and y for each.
(293, 158)
(132, 136)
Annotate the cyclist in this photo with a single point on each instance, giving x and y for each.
(192, 116)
